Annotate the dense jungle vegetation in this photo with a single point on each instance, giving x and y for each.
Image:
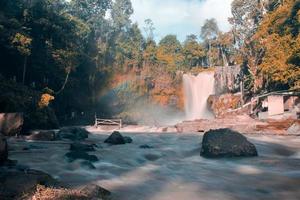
(66, 53)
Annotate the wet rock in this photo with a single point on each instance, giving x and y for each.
(95, 192)
(75, 155)
(116, 138)
(81, 147)
(10, 163)
(42, 136)
(128, 139)
(87, 164)
(15, 183)
(145, 146)
(152, 157)
(73, 133)
(89, 192)
(226, 143)
(3, 150)
(11, 123)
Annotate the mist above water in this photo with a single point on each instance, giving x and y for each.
(197, 89)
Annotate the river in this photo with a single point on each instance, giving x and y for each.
(173, 168)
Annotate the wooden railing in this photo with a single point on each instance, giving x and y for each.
(108, 122)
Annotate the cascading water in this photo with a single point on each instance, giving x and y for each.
(197, 89)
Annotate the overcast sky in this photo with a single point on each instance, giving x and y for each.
(181, 17)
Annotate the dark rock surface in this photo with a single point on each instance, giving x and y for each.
(95, 192)
(128, 139)
(87, 164)
(73, 133)
(75, 155)
(11, 123)
(226, 143)
(116, 138)
(3, 150)
(15, 183)
(81, 147)
(145, 146)
(42, 136)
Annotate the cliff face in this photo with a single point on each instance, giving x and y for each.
(144, 95)
(139, 91)
(227, 79)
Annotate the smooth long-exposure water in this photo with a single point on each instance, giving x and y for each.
(173, 168)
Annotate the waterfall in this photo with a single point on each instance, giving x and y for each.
(197, 89)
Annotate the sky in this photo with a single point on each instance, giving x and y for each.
(181, 17)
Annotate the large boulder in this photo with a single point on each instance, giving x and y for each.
(73, 133)
(226, 143)
(3, 150)
(15, 183)
(116, 138)
(11, 123)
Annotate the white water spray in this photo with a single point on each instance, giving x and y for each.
(197, 89)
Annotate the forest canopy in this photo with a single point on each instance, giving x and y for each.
(75, 48)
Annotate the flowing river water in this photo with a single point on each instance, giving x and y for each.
(173, 168)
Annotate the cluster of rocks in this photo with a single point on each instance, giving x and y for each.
(21, 182)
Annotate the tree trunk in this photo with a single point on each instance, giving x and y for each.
(24, 70)
(209, 53)
(65, 83)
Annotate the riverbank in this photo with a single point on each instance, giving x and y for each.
(241, 123)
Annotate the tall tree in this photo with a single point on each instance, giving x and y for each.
(193, 51)
(209, 31)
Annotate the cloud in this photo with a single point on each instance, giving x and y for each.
(181, 17)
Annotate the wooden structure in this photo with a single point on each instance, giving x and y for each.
(107, 122)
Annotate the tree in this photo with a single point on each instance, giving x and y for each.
(279, 40)
(120, 14)
(209, 31)
(23, 45)
(193, 51)
(149, 29)
(169, 53)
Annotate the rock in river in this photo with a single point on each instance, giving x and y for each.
(116, 138)
(226, 143)
(81, 147)
(74, 155)
(73, 133)
(42, 136)
(15, 183)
